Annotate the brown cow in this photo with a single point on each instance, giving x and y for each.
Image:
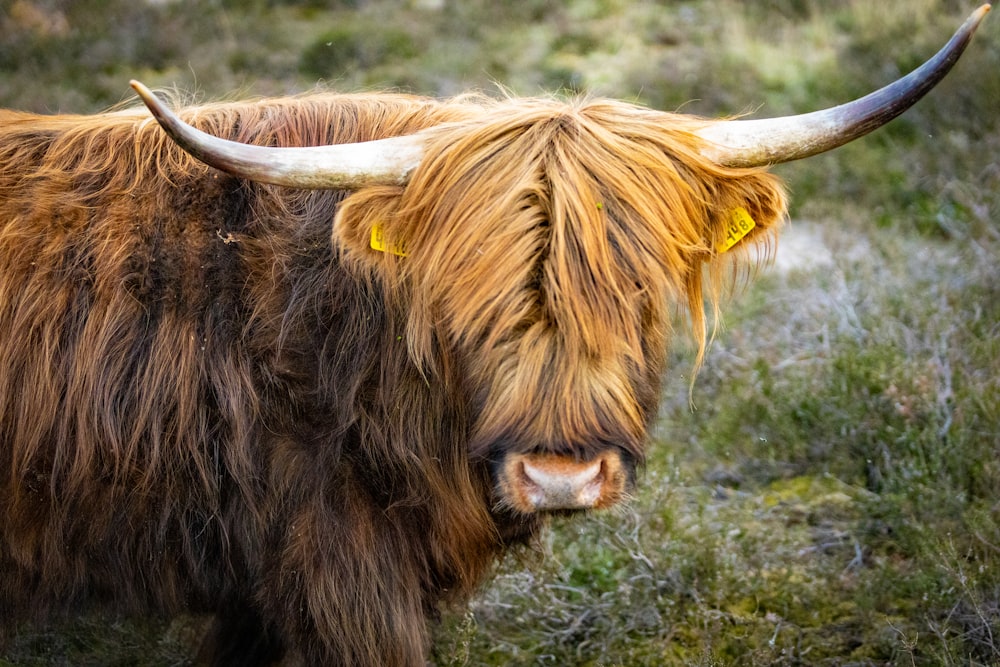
(231, 392)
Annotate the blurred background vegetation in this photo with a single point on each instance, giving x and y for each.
(833, 495)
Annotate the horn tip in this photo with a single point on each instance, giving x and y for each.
(144, 93)
(160, 112)
(139, 87)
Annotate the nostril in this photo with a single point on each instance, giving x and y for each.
(532, 490)
(592, 490)
(599, 477)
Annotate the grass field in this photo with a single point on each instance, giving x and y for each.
(828, 492)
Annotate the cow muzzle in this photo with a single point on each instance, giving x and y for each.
(532, 483)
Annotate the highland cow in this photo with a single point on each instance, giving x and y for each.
(315, 367)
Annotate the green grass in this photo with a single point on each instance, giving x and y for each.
(834, 497)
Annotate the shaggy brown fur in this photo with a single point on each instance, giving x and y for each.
(214, 396)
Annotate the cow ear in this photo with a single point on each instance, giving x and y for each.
(749, 211)
(366, 227)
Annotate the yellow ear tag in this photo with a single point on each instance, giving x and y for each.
(380, 243)
(740, 224)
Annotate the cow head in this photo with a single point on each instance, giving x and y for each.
(544, 243)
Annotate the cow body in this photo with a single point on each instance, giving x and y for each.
(215, 398)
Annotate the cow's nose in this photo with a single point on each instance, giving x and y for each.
(542, 482)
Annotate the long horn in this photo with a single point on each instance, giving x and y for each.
(753, 143)
(339, 166)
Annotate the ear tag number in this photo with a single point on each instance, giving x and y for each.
(380, 243)
(740, 224)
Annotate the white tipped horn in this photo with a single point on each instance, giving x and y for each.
(339, 166)
(753, 143)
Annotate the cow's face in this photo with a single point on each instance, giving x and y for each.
(545, 245)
